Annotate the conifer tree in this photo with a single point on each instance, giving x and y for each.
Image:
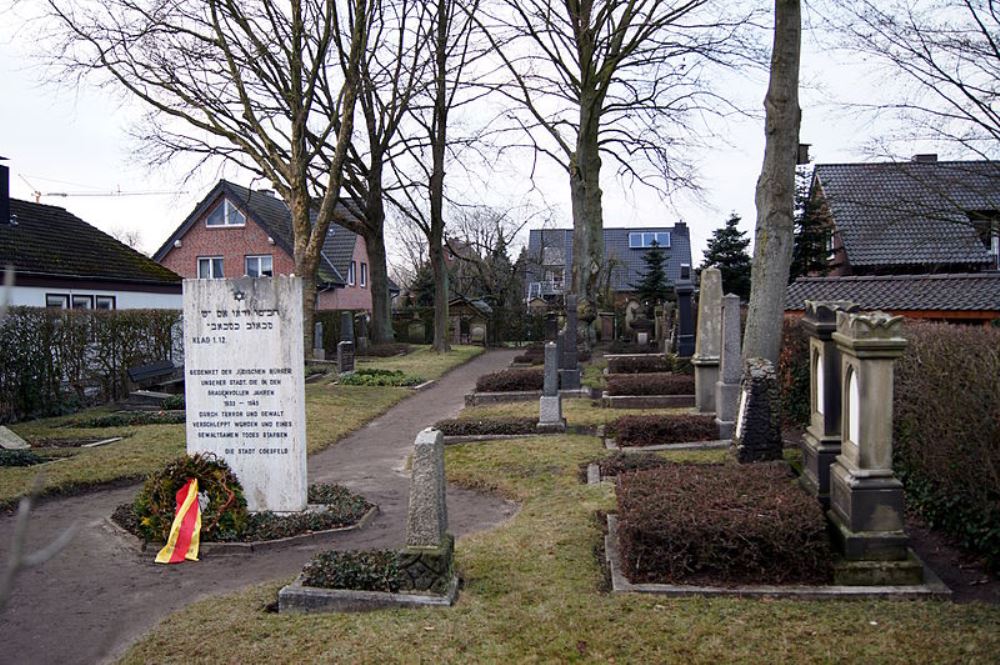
(653, 287)
(727, 251)
(811, 229)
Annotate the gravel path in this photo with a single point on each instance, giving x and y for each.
(97, 597)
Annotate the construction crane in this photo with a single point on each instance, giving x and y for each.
(38, 194)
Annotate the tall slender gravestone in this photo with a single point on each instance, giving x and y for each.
(866, 498)
(727, 389)
(319, 353)
(821, 442)
(569, 368)
(707, 345)
(685, 317)
(757, 437)
(551, 327)
(244, 383)
(550, 403)
(346, 326)
(345, 348)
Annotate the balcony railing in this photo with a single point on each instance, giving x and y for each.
(542, 289)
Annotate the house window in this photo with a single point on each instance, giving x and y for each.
(259, 266)
(104, 302)
(351, 270)
(364, 274)
(226, 214)
(83, 302)
(57, 300)
(644, 239)
(210, 267)
(831, 251)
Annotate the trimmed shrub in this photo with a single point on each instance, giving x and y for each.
(129, 418)
(947, 431)
(511, 380)
(619, 346)
(619, 463)
(656, 430)
(343, 509)
(640, 365)
(379, 377)
(387, 349)
(720, 524)
(173, 403)
(364, 570)
(18, 458)
(793, 373)
(485, 426)
(650, 384)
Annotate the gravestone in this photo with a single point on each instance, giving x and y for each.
(727, 389)
(821, 441)
(685, 316)
(11, 441)
(866, 498)
(427, 561)
(346, 326)
(345, 357)
(758, 418)
(550, 403)
(551, 327)
(708, 343)
(362, 348)
(319, 353)
(477, 332)
(244, 383)
(560, 344)
(416, 332)
(569, 368)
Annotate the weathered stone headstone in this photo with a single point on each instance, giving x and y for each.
(550, 403)
(685, 316)
(346, 326)
(319, 353)
(426, 563)
(642, 338)
(821, 441)
(477, 332)
(569, 368)
(11, 441)
(345, 357)
(708, 343)
(727, 389)
(758, 419)
(244, 383)
(362, 346)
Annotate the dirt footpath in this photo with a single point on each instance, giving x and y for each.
(97, 597)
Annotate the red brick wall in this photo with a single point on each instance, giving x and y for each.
(351, 297)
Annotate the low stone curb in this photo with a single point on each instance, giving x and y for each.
(316, 378)
(718, 444)
(298, 598)
(425, 385)
(477, 399)
(646, 401)
(594, 474)
(932, 588)
(232, 549)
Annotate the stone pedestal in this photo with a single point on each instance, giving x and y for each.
(727, 389)
(757, 437)
(866, 499)
(821, 441)
(345, 357)
(427, 561)
(685, 316)
(708, 341)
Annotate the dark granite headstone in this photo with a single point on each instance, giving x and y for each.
(685, 313)
(346, 327)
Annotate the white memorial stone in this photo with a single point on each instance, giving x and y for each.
(244, 384)
(11, 441)
(853, 409)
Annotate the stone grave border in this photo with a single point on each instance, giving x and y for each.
(299, 598)
(646, 401)
(712, 444)
(932, 588)
(479, 399)
(136, 544)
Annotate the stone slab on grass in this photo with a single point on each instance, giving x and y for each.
(11, 441)
(646, 401)
(298, 598)
(932, 587)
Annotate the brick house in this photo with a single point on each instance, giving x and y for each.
(235, 231)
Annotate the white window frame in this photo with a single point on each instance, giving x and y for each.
(81, 298)
(63, 300)
(364, 274)
(229, 213)
(645, 239)
(259, 259)
(211, 267)
(831, 249)
(351, 273)
(111, 301)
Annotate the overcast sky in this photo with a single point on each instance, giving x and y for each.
(75, 140)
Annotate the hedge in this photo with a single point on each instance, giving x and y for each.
(657, 430)
(379, 377)
(511, 380)
(793, 373)
(640, 364)
(53, 361)
(619, 346)
(486, 426)
(650, 384)
(720, 524)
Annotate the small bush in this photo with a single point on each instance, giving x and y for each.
(793, 373)
(657, 430)
(379, 377)
(486, 426)
(640, 365)
(366, 570)
(387, 349)
(619, 346)
(18, 458)
(650, 384)
(130, 418)
(526, 359)
(173, 403)
(620, 463)
(511, 380)
(720, 524)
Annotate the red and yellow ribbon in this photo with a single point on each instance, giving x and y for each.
(185, 532)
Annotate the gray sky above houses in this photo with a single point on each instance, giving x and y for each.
(76, 140)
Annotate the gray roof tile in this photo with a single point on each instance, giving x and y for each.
(955, 292)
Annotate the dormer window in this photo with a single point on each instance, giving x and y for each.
(226, 214)
(645, 239)
(987, 225)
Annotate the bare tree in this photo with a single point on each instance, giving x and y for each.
(775, 199)
(242, 83)
(130, 237)
(621, 79)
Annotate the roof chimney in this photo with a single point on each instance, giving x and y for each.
(266, 192)
(4, 193)
(802, 157)
(925, 158)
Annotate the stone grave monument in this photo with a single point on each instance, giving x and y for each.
(821, 441)
(758, 419)
(551, 327)
(685, 317)
(708, 342)
(345, 357)
(569, 366)
(319, 353)
(244, 383)
(346, 326)
(727, 389)
(550, 416)
(866, 498)
(11, 441)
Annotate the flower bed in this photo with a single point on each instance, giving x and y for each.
(364, 570)
(720, 525)
(640, 364)
(650, 384)
(486, 426)
(379, 377)
(511, 380)
(657, 430)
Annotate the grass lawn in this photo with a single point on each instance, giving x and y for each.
(582, 412)
(423, 362)
(332, 412)
(534, 593)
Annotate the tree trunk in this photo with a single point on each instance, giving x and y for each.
(379, 276)
(585, 194)
(775, 197)
(439, 141)
(441, 344)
